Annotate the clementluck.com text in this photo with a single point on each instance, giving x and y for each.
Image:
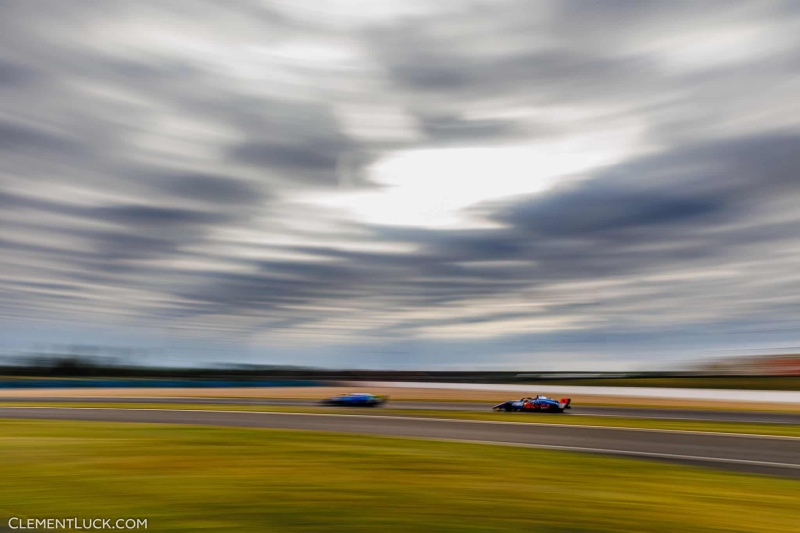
(76, 523)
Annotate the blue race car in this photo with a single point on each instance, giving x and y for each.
(356, 399)
(540, 404)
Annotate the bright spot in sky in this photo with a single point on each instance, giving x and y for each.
(433, 187)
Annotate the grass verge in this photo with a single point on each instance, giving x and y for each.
(219, 479)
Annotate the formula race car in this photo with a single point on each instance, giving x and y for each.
(536, 404)
(356, 399)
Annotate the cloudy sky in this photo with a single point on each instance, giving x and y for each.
(406, 183)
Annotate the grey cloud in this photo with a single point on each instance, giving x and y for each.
(212, 188)
(545, 75)
(583, 211)
(127, 215)
(696, 184)
(451, 128)
(291, 158)
(435, 62)
(585, 58)
(149, 216)
(608, 210)
(121, 245)
(13, 75)
(22, 138)
(302, 143)
(625, 20)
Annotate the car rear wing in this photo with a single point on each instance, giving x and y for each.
(566, 402)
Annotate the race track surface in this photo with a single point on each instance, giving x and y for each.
(578, 410)
(754, 454)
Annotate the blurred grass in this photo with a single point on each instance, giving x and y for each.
(782, 430)
(218, 479)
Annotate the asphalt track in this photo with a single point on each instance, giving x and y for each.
(753, 454)
(753, 417)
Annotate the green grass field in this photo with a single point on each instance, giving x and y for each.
(216, 479)
(781, 430)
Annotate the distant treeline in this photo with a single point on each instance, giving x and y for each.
(93, 368)
(79, 366)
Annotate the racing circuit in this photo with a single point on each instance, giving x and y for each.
(701, 415)
(761, 454)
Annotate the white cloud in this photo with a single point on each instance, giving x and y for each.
(434, 187)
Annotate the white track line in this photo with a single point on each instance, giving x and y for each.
(607, 451)
(419, 418)
(681, 418)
